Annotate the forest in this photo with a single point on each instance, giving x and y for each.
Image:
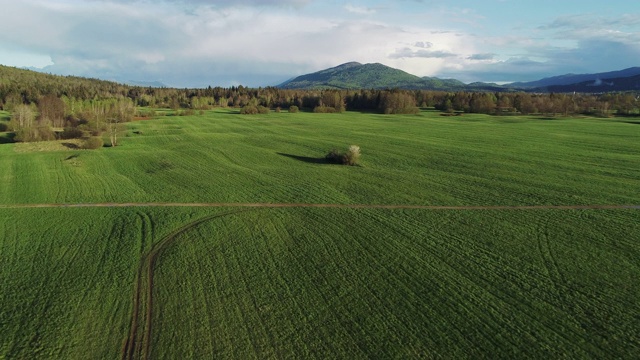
(47, 106)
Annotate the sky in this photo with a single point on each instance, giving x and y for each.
(199, 43)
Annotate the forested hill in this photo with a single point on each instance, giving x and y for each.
(27, 86)
(354, 75)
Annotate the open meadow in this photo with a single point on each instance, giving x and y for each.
(228, 236)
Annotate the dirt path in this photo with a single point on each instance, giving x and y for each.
(331, 206)
(138, 343)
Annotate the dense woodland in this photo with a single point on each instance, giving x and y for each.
(46, 106)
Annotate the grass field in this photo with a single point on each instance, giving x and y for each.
(325, 283)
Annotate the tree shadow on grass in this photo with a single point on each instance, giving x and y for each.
(71, 146)
(7, 138)
(308, 160)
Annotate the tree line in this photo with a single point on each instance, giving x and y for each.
(48, 106)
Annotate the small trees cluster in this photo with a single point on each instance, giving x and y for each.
(330, 101)
(397, 102)
(254, 110)
(56, 118)
(350, 157)
(28, 126)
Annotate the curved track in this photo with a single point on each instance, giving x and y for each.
(138, 343)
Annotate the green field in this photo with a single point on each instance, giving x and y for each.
(301, 282)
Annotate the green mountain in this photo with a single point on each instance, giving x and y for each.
(354, 75)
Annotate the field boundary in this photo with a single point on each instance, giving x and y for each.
(330, 206)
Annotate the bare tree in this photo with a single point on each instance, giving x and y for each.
(23, 117)
(51, 110)
(121, 111)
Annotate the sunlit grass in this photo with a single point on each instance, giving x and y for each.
(329, 283)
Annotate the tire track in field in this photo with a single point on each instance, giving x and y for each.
(138, 343)
(549, 261)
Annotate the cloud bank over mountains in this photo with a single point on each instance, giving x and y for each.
(196, 43)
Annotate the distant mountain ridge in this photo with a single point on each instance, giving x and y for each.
(351, 75)
(569, 79)
(354, 75)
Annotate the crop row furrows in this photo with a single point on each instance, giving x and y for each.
(222, 264)
(239, 305)
(8, 177)
(450, 285)
(613, 232)
(27, 337)
(494, 300)
(315, 308)
(489, 277)
(261, 336)
(280, 290)
(302, 311)
(50, 306)
(327, 261)
(416, 245)
(206, 269)
(9, 253)
(317, 283)
(273, 267)
(270, 234)
(397, 288)
(481, 272)
(544, 247)
(241, 338)
(340, 289)
(278, 298)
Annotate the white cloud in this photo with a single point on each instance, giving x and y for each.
(360, 10)
(211, 44)
(215, 42)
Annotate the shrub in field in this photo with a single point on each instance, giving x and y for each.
(35, 133)
(94, 142)
(293, 109)
(350, 157)
(325, 109)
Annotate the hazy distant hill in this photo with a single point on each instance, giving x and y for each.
(600, 85)
(570, 79)
(153, 84)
